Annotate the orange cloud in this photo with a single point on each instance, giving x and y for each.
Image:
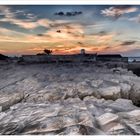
(65, 39)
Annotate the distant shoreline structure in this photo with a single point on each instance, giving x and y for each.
(79, 57)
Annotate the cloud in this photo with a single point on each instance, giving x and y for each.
(69, 32)
(29, 21)
(70, 40)
(118, 11)
(132, 52)
(68, 14)
(125, 43)
(136, 19)
(102, 33)
(11, 16)
(7, 35)
(2, 51)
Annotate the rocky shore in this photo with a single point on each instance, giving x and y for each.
(68, 99)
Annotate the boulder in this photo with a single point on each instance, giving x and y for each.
(84, 89)
(125, 90)
(135, 93)
(110, 92)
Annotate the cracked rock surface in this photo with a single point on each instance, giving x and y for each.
(68, 99)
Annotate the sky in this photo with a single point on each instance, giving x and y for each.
(66, 29)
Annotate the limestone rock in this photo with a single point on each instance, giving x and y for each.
(96, 83)
(135, 93)
(122, 105)
(84, 89)
(27, 118)
(111, 92)
(7, 100)
(68, 99)
(132, 120)
(125, 90)
(110, 124)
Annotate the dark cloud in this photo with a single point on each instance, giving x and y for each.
(125, 43)
(106, 48)
(58, 31)
(80, 43)
(101, 33)
(68, 14)
(40, 34)
(43, 35)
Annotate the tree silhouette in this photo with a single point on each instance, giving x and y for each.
(48, 52)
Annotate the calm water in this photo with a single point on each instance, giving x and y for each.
(131, 59)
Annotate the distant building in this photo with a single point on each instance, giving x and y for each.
(83, 51)
(3, 57)
(59, 58)
(111, 57)
(81, 57)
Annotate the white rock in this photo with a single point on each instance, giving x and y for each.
(122, 105)
(96, 83)
(7, 100)
(107, 118)
(110, 124)
(125, 90)
(111, 92)
(135, 114)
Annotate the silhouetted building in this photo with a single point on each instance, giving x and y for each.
(111, 57)
(83, 51)
(3, 57)
(82, 57)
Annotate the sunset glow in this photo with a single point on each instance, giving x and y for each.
(67, 29)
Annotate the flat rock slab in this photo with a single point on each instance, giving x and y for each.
(110, 92)
(25, 118)
(7, 100)
(69, 99)
(110, 124)
(69, 117)
(122, 105)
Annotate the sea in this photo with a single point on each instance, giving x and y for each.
(132, 59)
